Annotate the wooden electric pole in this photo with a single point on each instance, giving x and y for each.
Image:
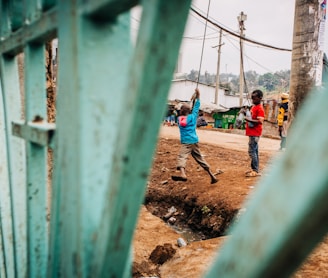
(306, 56)
(241, 18)
(217, 84)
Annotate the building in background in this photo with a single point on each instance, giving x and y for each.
(183, 89)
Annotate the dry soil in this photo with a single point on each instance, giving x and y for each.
(197, 211)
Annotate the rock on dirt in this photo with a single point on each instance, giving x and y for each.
(162, 253)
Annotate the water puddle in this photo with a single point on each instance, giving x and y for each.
(188, 234)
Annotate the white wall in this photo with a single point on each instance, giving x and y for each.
(184, 89)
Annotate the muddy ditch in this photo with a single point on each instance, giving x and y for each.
(193, 221)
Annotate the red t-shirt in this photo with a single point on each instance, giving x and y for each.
(256, 111)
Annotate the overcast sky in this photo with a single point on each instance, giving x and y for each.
(267, 22)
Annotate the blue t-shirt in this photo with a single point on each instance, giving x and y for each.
(188, 133)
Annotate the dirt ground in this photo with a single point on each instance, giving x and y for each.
(197, 211)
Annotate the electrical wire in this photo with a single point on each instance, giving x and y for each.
(231, 42)
(237, 35)
(234, 34)
(250, 41)
(201, 21)
(209, 17)
(201, 37)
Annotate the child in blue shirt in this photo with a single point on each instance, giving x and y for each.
(188, 137)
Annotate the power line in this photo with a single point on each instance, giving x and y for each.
(237, 35)
(196, 38)
(202, 22)
(213, 19)
(247, 56)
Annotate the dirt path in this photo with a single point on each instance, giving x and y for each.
(225, 140)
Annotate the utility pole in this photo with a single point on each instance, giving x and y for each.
(217, 84)
(241, 19)
(306, 53)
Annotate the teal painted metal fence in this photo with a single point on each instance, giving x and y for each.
(106, 86)
(111, 97)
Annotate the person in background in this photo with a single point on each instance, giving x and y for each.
(173, 116)
(282, 120)
(168, 115)
(201, 120)
(189, 140)
(254, 128)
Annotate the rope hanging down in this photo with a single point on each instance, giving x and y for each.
(201, 55)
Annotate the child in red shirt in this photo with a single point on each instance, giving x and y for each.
(254, 131)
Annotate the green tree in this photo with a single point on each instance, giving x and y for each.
(267, 81)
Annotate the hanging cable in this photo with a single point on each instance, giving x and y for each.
(236, 35)
(201, 56)
(193, 98)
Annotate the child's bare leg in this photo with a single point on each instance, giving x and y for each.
(213, 178)
(182, 176)
(183, 172)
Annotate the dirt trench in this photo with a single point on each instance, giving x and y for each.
(195, 210)
(206, 209)
(194, 221)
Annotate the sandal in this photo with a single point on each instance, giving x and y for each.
(178, 178)
(214, 181)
